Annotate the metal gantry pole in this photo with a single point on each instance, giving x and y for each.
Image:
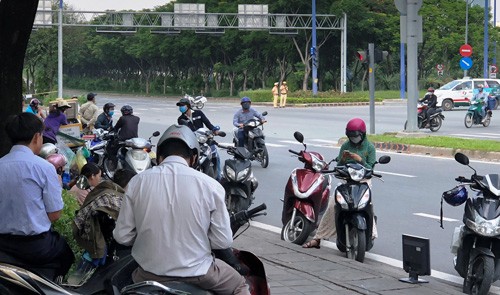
(466, 27)
(60, 52)
(486, 36)
(371, 85)
(343, 55)
(315, 58)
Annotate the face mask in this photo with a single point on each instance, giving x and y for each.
(355, 139)
(245, 105)
(111, 113)
(183, 109)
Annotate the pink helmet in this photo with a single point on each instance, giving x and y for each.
(58, 160)
(355, 127)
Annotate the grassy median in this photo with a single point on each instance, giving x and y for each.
(440, 141)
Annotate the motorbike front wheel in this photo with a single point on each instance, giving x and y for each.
(481, 271)
(109, 168)
(296, 231)
(436, 123)
(264, 157)
(469, 120)
(357, 244)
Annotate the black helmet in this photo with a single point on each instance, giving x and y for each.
(127, 110)
(108, 106)
(184, 102)
(456, 196)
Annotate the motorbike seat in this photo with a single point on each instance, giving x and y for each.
(47, 270)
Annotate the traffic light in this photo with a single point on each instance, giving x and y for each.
(380, 55)
(362, 55)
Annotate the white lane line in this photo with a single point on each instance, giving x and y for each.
(379, 258)
(308, 144)
(325, 141)
(275, 145)
(397, 174)
(435, 217)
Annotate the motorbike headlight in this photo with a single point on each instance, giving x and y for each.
(139, 155)
(340, 200)
(317, 164)
(152, 155)
(356, 174)
(488, 228)
(243, 174)
(230, 174)
(364, 199)
(251, 134)
(252, 124)
(202, 138)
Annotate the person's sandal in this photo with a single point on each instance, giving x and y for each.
(314, 243)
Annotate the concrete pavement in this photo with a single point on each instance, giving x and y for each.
(293, 270)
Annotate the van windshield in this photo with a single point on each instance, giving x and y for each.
(450, 85)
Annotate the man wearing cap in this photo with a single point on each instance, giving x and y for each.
(88, 113)
(275, 92)
(284, 94)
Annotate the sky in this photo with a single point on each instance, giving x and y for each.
(102, 5)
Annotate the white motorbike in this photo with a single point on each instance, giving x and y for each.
(197, 102)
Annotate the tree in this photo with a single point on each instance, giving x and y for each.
(16, 23)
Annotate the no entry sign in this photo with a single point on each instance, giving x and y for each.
(465, 50)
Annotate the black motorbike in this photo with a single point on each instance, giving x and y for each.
(432, 122)
(238, 180)
(477, 241)
(255, 142)
(209, 156)
(354, 215)
(115, 278)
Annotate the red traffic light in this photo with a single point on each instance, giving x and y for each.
(362, 56)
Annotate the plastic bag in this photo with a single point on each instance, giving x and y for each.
(80, 160)
(65, 150)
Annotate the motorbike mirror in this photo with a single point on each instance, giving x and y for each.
(157, 133)
(462, 159)
(384, 159)
(298, 136)
(82, 182)
(222, 134)
(264, 113)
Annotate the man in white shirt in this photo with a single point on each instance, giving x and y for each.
(88, 113)
(174, 216)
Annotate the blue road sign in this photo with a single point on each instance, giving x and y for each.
(466, 63)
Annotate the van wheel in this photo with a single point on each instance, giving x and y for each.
(447, 104)
(496, 103)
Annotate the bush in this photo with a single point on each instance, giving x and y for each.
(64, 224)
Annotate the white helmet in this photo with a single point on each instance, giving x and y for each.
(47, 150)
(183, 133)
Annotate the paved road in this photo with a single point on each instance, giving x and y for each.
(407, 202)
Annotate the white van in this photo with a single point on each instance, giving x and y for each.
(459, 92)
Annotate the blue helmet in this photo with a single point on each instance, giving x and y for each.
(456, 196)
(245, 99)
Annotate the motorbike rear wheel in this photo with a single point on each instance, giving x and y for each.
(296, 231)
(469, 120)
(487, 121)
(436, 123)
(357, 244)
(264, 157)
(482, 269)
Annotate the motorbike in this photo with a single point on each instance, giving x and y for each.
(209, 156)
(238, 180)
(197, 102)
(436, 119)
(354, 216)
(97, 146)
(476, 242)
(306, 195)
(255, 143)
(115, 278)
(473, 116)
(134, 154)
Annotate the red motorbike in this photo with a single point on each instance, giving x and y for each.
(306, 195)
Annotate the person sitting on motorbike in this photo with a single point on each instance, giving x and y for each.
(430, 99)
(93, 174)
(94, 223)
(31, 199)
(357, 149)
(195, 119)
(105, 119)
(482, 98)
(34, 108)
(174, 216)
(128, 124)
(243, 115)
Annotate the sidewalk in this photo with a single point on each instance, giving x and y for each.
(293, 270)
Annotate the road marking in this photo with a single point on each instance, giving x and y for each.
(274, 145)
(435, 217)
(475, 136)
(379, 258)
(310, 144)
(397, 174)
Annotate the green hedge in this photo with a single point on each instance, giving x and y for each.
(263, 95)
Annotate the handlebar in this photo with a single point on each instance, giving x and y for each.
(294, 152)
(242, 217)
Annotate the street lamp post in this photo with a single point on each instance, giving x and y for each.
(466, 27)
(314, 55)
(60, 52)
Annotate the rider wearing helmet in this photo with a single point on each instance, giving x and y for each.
(128, 124)
(430, 99)
(243, 115)
(105, 119)
(172, 200)
(482, 98)
(35, 109)
(357, 149)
